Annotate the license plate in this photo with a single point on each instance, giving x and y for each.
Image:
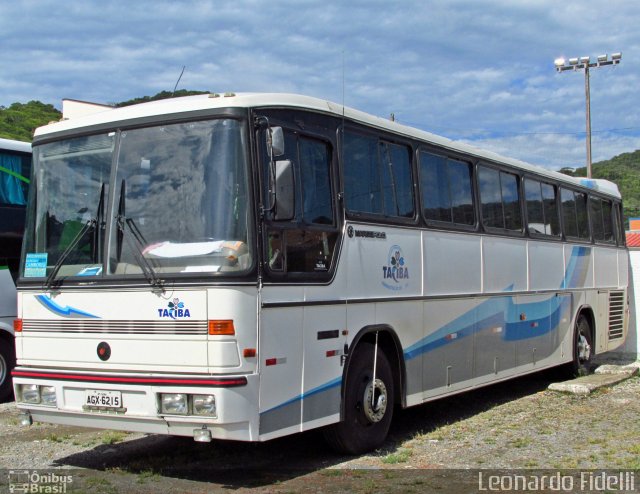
(98, 398)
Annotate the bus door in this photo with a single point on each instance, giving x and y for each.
(302, 317)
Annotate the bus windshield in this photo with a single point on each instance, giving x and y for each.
(168, 200)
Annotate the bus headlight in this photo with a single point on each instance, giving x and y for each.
(48, 395)
(174, 403)
(204, 405)
(30, 393)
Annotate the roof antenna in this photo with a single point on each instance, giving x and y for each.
(178, 81)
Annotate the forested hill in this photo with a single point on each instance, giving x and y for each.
(19, 120)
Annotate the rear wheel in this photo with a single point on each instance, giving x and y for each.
(7, 362)
(368, 404)
(582, 346)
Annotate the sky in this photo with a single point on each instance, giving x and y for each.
(478, 71)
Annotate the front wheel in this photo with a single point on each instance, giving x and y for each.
(368, 404)
(7, 362)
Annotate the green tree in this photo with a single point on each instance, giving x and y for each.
(20, 120)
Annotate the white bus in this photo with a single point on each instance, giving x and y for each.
(15, 168)
(250, 266)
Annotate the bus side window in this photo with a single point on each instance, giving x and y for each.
(500, 199)
(542, 212)
(446, 190)
(306, 243)
(377, 177)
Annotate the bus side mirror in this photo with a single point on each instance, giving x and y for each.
(284, 191)
(275, 141)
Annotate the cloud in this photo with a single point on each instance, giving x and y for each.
(475, 70)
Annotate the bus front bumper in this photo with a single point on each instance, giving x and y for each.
(204, 408)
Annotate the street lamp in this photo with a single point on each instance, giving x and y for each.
(585, 63)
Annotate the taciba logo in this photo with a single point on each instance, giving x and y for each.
(395, 274)
(175, 310)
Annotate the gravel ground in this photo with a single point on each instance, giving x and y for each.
(437, 446)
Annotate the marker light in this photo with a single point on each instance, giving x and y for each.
(17, 325)
(222, 327)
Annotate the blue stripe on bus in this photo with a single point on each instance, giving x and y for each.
(63, 311)
(320, 389)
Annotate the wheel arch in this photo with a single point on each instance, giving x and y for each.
(390, 343)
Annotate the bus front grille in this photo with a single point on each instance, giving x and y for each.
(115, 326)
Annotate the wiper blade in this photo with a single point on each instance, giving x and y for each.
(136, 247)
(87, 226)
(92, 223)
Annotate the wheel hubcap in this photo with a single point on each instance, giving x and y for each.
(375, 401)
(584, 349)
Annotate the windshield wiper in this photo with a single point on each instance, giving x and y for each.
(92, 223)
(136, 247)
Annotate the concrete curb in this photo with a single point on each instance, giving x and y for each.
(605, 375)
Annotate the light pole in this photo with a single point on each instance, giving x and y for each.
(584, 63)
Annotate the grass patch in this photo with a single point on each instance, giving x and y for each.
(521, 442)
(147, 475)
(113, 437)
(99, 485)
(400, 456)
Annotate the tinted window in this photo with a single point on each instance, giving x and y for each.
(305, 245)
(574, 214)
(377, 177)
(569, 213)
(601, 220)
(14, 178)
(316, 189)
(500, 199)
(551, 213)
(542, 212)
(490, 197)
(583, 217)
(446, 189)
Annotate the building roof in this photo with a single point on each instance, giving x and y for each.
(633, 239)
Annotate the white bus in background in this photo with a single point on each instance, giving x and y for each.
(15, 167)
(250, 266)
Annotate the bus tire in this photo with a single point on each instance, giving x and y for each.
(582, 347)
(365, 426)
(7, 362)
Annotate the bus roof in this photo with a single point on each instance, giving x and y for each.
(183, 106)
(11, 145)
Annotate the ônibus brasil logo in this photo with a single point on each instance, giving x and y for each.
(395, 274)
(175, 310)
